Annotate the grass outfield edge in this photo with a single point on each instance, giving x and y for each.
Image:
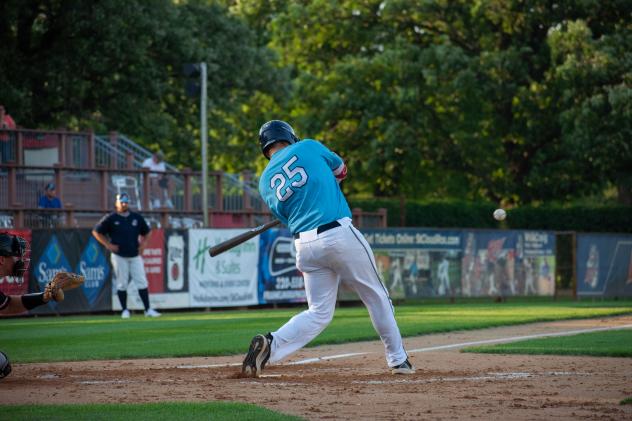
(169, 410)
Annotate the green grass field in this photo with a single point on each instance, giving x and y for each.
(615, 343)
(166, 411)
(73, 338)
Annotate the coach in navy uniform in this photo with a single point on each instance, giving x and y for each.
(125, 234)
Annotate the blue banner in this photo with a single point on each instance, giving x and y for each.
(279, 279)
(74, 250)
(604, 265)
(416, 263)
(508, 263)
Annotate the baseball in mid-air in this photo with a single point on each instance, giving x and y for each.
(500, 214)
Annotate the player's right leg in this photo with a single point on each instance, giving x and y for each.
(358, 268)
(321, 289)
(120, 273)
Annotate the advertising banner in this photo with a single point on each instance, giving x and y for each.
(604, 265)
(279, 279)
(153, 260)
(163, 259)
(72, 251)
(416, 262)
(10, 285)
(229, 279)
(508, 263)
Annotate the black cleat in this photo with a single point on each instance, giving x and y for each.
(257, 356)
(404, 368)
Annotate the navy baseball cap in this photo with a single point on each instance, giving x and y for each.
(50, 186)
(123, 198)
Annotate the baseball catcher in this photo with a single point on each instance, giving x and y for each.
(14, 261)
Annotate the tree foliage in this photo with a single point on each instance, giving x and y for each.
(506, 100)
(117, 65)
(511, 101)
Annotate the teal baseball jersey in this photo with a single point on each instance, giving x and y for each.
(300, 188)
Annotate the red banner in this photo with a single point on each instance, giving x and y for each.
(153, 259)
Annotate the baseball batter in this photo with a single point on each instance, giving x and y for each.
(120, 232)
(300, 186)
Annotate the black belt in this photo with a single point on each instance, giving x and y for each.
(322, 228)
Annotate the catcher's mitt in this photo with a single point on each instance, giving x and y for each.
(61, 281)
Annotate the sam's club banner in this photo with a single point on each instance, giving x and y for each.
(54, 251)
(604, 265)
(229, 279)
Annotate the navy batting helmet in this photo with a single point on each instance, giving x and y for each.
(275, 131)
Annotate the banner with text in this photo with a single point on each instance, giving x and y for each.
(229, 279)
(604, 265)
(416, 262)
(279, 279)
(508, 263)
(71, 251)
(163, 260)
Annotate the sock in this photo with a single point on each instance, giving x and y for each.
(122, 298)
(144, 295)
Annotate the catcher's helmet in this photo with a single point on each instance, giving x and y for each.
(12, 245)
(5, 365)
(275, 131)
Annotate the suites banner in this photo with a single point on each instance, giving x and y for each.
(229, 279)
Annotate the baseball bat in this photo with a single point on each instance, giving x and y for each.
(237, 240)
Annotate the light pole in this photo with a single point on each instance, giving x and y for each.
(204, 140)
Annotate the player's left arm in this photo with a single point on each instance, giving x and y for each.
(145, 233)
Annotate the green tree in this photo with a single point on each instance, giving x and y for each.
(464, 99)
(116, 65)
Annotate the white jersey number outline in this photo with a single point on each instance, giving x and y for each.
(278, 180)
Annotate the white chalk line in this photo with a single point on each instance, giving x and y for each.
(208, 365)
(518, 338)
(432, 348)
(488, 376)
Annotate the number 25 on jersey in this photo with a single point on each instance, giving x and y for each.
(279, 180)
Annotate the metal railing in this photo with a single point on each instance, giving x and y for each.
(88, 193)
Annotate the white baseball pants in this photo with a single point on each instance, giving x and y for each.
(124, 268)
(325, 259)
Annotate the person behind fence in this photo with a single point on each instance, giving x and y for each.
(6, 122)
(49, 200)
(159, 184)
(125, 234)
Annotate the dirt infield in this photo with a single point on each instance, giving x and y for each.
(448, 384)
